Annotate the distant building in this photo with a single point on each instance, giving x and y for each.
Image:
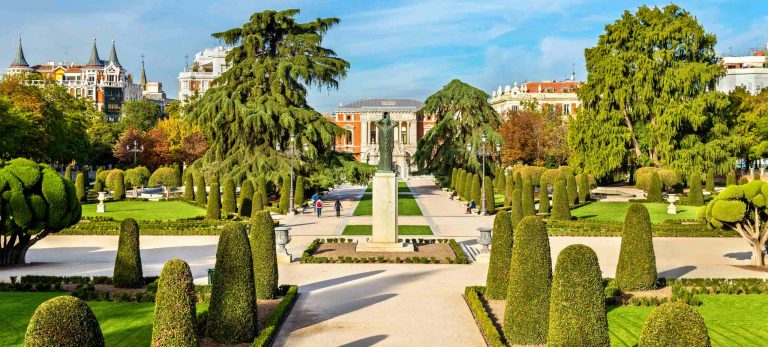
(105, 82)
(358, 119)
(750, 72)
(209, 64)
(557, 96)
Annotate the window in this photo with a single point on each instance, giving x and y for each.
(373, 133)
(550, 90)
(349, 117)
(566, 109)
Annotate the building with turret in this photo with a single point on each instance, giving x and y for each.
(105, 82)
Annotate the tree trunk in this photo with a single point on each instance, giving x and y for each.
(757, 254)
(15, 252)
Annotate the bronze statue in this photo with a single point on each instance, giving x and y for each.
(386, 137)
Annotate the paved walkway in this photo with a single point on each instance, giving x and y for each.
(382, 304)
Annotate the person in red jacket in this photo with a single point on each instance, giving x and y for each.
(319, 207)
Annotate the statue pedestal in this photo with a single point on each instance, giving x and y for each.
(384, 236)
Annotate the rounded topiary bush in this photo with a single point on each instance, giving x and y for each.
(201, 196)
(561, 209)
(695, 193)
(174, 323)
(232, 311)
(189, 188)
(674, 324)
(264, 255)
(80, 187)
(636, 269)
(543, 198)
(501, 253)
(530, 277)
(246, 198)
(63, 321)
(128, 272)
(577, 314)
(654, 189)
(526, 196)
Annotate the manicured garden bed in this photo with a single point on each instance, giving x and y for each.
(427, 251)
(146, 210)
(615, 212)
(106, 226)
(406, 230)
(406, 206)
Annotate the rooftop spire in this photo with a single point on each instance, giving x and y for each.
(113, 55)
(143, 81)
(19, 61)
(94, 60)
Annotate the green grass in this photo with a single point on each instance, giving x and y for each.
(407, 230)
(122, 323)
(402, 187)
(732, 320)
(406, 206)
(615, 212)
(146, 210)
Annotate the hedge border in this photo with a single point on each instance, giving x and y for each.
(490, 332)
(275, 320)
(307, 257)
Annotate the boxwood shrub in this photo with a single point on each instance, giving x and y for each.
(654, 189)
(189, 187)
(213, 210)
(526, 195)
(501, 253)
(201, 196)
(246, 198)
(63, 321)
(674, 324)
(560, 206)
(636, 269)
(229, 202)
(175, 316)
(264, 255)
(695, 193)
(128, 272)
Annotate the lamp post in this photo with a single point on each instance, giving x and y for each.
(292, 153)
(136, 149)
(483, 152)
(498, 153)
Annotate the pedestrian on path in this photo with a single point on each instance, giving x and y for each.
(470, 207)
(453, 194)
(337, 205)
(319, 207)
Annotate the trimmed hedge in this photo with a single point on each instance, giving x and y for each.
(298, 194)
(175, 316)
(636, 269)
(501, 253)
(232, 312)
(229, 202)
(509, 189)
(257, 206)
(516, 209)
(476, 189)
(730, 179)
(577, 315)
(201, 197)
(128, 272)
(674, 324)
(561, 209)
(213, 210)
(490, 199)
(285, 195)
(487, 327)
(262, 241)
(543, 198)
(261, 186)
(189, 188)
(526, 196)
(118, 184)
(82, 195)
(452, 183)
(695, 194)
(68, 173)
(572, 188)
(98, 183)
(63, 321)
(654, 189)
(530, 277)
(246, 198)
(273, 322)
(459, 184)
(711, 180)
(584, 193)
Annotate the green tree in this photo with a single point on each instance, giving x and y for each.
(543, 198)
(530, 277)
(229, 203)
(711, 180)
(501, 253)
(261, 99)
(560, 207)
(743, 208)
(463, 115)
(264, 255)
(583, 183)
(142, 114)
(213, 210)
(577, 314)
(526, 195)
(232, 311)
(189, 187)
(490, 199)
(63, 321)
(632, 111)
(246, 198)
(137, 177)
(695, 194)
(128, 272)
(175, 320)
(636, 269)
(654, 190)
(298, 195)
(571, 188)
(165, 177)
(201, 196)
(674, 324)
(730, 178)
(82, 196)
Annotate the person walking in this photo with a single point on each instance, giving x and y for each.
(337, 206)
(319, 207)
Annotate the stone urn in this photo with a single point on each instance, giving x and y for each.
(485, 238)
(282, 238)
(672, 209)
(100, 208)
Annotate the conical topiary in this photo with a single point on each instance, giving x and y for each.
(261, 186)
(128, 272)
(543, 198)
(526, 196)
(452, 183)
(68, 173)
(98, 184)
(63, 321)
(654, 189)
(501, 253)
(298, 194)
(711, 180)
(730, 179)
(118, 192)
(577, 314)
(695, 194)
(285, 196)
(560, 207)
(516, 209)
(214, 203)
(530, 276)
(509, 189)
(490, 199)
(256, 203)
(571, 188)
(229, 202)
(264, 256)
(189, 188)
(80, 187)
(246, 198)
(674, 324)
(476, 189)
(201, 197)
(636, 269)
(175, 319)
(232, 311)
(468, 187)
(459, 182)
(583, 182)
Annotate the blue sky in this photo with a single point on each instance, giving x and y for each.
(396, 48)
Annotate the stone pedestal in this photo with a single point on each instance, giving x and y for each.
(384, 236)
(101, 208)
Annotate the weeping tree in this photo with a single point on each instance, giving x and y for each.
(262, 98)
(463, 114)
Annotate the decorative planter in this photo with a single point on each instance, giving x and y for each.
(101, 208)
(672, 209)
(282, 238)
(485, 238)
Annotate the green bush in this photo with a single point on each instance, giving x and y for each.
(756, 175)
(711, 180)
(516, 209)
(264, 256)
(68, 173)
(695, 194)
(577, 315)
(459, 184)
(213, 210)
(166, 177)
(476, 305)
(560, 207)
(63, 321)
(137, 177)
(467, 187)
(452, 183)
(201, 196)
(476, 189)
(80, 187)
(636, 269)
(526, 196)
(543, 199)
(115, 182)
(285, 196)
(261, 186)
(229, 203)
(654, 189)
(257, 206)
(501, 253)
(246, 198)
(189, 188)
(743, 180)
(530, 276)
(98, 183)
(730, 179)
(232, 311)
(583, 182)
(298, 194)
(509, 189)
(490, 200)
(674, 324)
(501, 181)
(128, 272)
(175, 319)
(548, 177)
(571, 188)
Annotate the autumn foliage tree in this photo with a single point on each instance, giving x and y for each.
(534, 137)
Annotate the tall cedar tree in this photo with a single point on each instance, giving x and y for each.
(636, 269)
(560, 207)
(501, 252)
(262, 98)
(201, 196)
(633, 108)
(463, 115)
(490, 199)
(229, 203)
(214, 203)
(527, 203)
(543, 198)
(246, 198)
(264, 255)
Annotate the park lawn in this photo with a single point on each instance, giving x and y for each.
(732, 320)
(403, 230)
(406, 206)
(146, 210)
(122, 323)
(615, 211)
(402, 187)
